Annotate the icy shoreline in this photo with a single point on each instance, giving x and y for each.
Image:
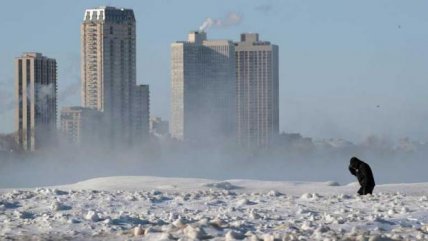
(153, 208)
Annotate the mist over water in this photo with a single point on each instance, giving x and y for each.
(298, 159)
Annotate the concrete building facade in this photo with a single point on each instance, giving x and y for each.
(257, 83)
(203, 89)
(81, 126)
(36, 88)
(108, 71)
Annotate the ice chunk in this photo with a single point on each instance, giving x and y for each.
(138, 231)
(92, 216)
(57, 206)
(274, 193)
(194, 232)
(233, 235)
(310, 196)
(244, 201)
(179, 223)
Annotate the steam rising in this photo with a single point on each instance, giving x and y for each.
(45, 91)
(6, 101)
(71, 90)
(230, 20)
(292, 158)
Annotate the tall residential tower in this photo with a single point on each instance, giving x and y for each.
(257, 90)
(36, 89)
(203, 89)
(108, 74)
(142, 113)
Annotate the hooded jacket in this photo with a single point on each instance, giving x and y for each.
(362, 171)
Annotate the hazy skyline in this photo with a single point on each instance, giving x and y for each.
(347, 69)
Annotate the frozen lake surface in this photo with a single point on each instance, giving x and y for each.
(154, 208)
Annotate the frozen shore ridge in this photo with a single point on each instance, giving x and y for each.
(154, 208)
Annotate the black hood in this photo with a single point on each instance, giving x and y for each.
(355, 162)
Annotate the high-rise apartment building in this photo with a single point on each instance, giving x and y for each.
(203, 89)
(36, 89)
(81, 126)
(142, 113)
(257, 91)
(108, 70)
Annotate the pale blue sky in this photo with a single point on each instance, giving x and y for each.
(339, 60)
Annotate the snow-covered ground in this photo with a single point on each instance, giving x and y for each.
(153, 208)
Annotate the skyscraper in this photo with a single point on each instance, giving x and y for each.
(108, 74)
(36, 89)
(203, 89)
(142, 113)
(257, 90)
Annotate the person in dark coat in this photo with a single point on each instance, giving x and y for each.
(364, 174)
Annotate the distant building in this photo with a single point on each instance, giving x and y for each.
(257, 91)
(8, 143)
(159, 127)
(81, 126)
(203, 89)
(108, 50)
(36, 89)
(142, 113)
